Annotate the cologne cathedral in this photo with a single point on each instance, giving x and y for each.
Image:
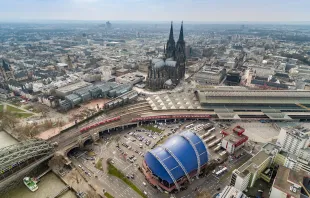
(167, 72)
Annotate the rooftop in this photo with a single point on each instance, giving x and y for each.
(233, 137)
(231, 192)
(252, 164)
(177, 156)
(286, 178)
(73, 87)
(298, 131)
(173, 101)
(254, 97)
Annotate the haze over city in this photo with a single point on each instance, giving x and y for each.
(157, 10)
(154, 99)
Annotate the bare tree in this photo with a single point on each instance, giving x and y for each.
(44, 110)
(8, 119)
(28, 130)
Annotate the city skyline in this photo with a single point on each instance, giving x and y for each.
(151, 10)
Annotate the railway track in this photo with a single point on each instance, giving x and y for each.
(67, 138)
(138, 111)
(119, 109)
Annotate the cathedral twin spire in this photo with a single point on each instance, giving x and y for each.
(171, 38)
(181, 36)
(170, 49)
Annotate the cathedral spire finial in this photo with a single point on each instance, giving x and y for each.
(171, 32)
(181, 36)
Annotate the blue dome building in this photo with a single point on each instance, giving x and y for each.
(175, 161)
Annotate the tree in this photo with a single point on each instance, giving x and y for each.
(8, 119)
(28, 130)
(44, 110)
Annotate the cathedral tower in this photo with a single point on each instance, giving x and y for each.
(170, 48)
(180, 56)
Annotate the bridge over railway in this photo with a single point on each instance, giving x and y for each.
(18, 159)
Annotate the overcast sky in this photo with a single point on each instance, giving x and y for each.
(157, 10)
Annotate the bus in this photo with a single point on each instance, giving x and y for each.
(221, 172)
(189, 126)
(211, 130)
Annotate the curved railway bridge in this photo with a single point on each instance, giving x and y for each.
(19, 159)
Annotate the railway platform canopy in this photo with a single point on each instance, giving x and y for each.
(253, 97)
(237, 103)
(174, 101)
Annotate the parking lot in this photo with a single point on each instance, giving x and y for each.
(126, 149)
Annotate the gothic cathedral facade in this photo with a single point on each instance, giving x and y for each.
(169, 71)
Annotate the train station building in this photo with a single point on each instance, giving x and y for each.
(230, 103)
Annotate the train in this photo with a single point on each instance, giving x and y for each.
(167, 117)
(121, 100)
(106, 121)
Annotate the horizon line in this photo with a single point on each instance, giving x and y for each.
(150, 21)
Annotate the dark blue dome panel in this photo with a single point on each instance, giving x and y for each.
(177, 155)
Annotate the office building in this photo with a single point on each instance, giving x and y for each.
(295, 141)
(246, 175)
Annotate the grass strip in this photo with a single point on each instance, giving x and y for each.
(12, 109)
(99, 164)
(22, 115)
(112, 170)
(108, 195)
(152, 128)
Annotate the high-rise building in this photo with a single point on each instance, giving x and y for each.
(168, 72)
(295, 141)
(108, 24)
